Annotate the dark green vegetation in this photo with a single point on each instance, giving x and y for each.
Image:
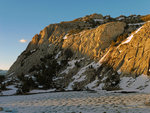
(42, 75)
(2, 85)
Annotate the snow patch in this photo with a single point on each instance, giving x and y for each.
(12, 90)
(49, 45)
(137, 23)
(100, 87)
(27, 76)
(98, 20)
(92, 84)
(32, 51)
(11, 74)
(58, 55)
(82, 78)
(79, 76)
(120, 18)
(119, 71)
(57, 78)
(96, 65)
(104, 78)
(131, 36)
(141, 83)
(71, 66)
(42, 91)
(65, 37)
(40, 87)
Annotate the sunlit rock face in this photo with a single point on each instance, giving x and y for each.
(92, 52)
(132, 56)
(82, 38)
(92, 41)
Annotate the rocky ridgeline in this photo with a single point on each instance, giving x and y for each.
(66, 55)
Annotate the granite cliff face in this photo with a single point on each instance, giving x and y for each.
(48, 41)
(91, 42)
(68, 35)
(132, 56)
(92, 52)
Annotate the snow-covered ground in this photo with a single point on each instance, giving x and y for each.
(140, 83)
(76, 102)
(11, 90)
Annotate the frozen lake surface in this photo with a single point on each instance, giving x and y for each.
(76, 102)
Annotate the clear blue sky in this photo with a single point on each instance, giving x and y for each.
(22, 19)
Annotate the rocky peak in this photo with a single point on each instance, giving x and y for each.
(65, 55)
(93, 16)
(51, 38)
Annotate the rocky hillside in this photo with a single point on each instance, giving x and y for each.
(93, 52)
(132, 56)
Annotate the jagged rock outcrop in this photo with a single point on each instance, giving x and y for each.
(46, 42)
(51, 39)
(65, 56)
(91, 42)
(132, 56)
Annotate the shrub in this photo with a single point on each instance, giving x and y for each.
(2, 78)
(32, 69)
(49, 56)
(77, 64)
(3, 86)
(27, 84)
(75, 31)
(64, 62)
(21, 77)
(111, 83)
(43, 74)
(44, 77)
(119, 39)
(68, 53)
(122, 37)
(27, 54)
(22, 63)
(112, 43)
(110, 88)
(42, 59)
